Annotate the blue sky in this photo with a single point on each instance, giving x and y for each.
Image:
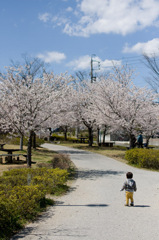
(65, 33)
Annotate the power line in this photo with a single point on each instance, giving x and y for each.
(136, 62)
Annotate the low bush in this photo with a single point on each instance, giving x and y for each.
(9, 221)
(17, 205)
(50, 179)
(56, 137)
(146, 158)
(61, 161)
(22, 195)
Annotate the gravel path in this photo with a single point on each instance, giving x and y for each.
(94, 208)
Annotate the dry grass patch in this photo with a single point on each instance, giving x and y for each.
(116, 152)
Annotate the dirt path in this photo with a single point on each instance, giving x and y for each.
(94, 208)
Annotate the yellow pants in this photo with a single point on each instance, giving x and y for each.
(129, 195)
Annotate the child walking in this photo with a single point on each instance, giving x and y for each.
(129, 186)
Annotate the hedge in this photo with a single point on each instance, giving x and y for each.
(145, 158)
(22, 195)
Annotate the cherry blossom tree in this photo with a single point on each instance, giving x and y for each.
(81, 107)
(151, 61)
(150, 122)
(27, 104)
(34, 67)
(123, 105)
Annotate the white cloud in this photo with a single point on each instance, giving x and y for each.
(105, 16)
(49, 57)
(59, 21)
(113, 16)
(84, 63)
(44, 17)
(69, 9)
(110, 63)
(150, 48)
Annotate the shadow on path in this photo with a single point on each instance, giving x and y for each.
(58, 203)
(92, 174)
(24, 233)
(142, 206)
(73, 152)
(61, 232)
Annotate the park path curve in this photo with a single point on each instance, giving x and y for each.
(94, 208)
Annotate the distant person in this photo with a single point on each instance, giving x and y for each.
(140, 141)
(129, 186)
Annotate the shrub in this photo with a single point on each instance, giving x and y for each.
(46, 165)
(50, 179)
(22, 195)
(14, 180)
(26, 200)
(61, 161)
(146, 158)
(132, 156)
(47, 178)
(9, 220)
(18, 205)
(61, 138)
(56, 137)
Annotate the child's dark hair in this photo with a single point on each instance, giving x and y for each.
(129, 175)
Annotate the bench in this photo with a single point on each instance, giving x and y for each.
(82, 139)
(13, 155)
(25, 155)
(8, 155)
(108, 144)
(75, 141)
(149, 147)
(1, 145)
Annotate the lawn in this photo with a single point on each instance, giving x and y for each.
(40, 155)
(116, 152)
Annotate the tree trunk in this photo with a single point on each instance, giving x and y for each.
(29, 150)
(77, 132)
(90, 131)
(34, 140)
(65, 133)
(147, 141)
(98, 137)
(104, 134)
(50, 132)
(21, 142)
(132, 141)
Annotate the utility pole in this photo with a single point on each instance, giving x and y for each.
(93, 78)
